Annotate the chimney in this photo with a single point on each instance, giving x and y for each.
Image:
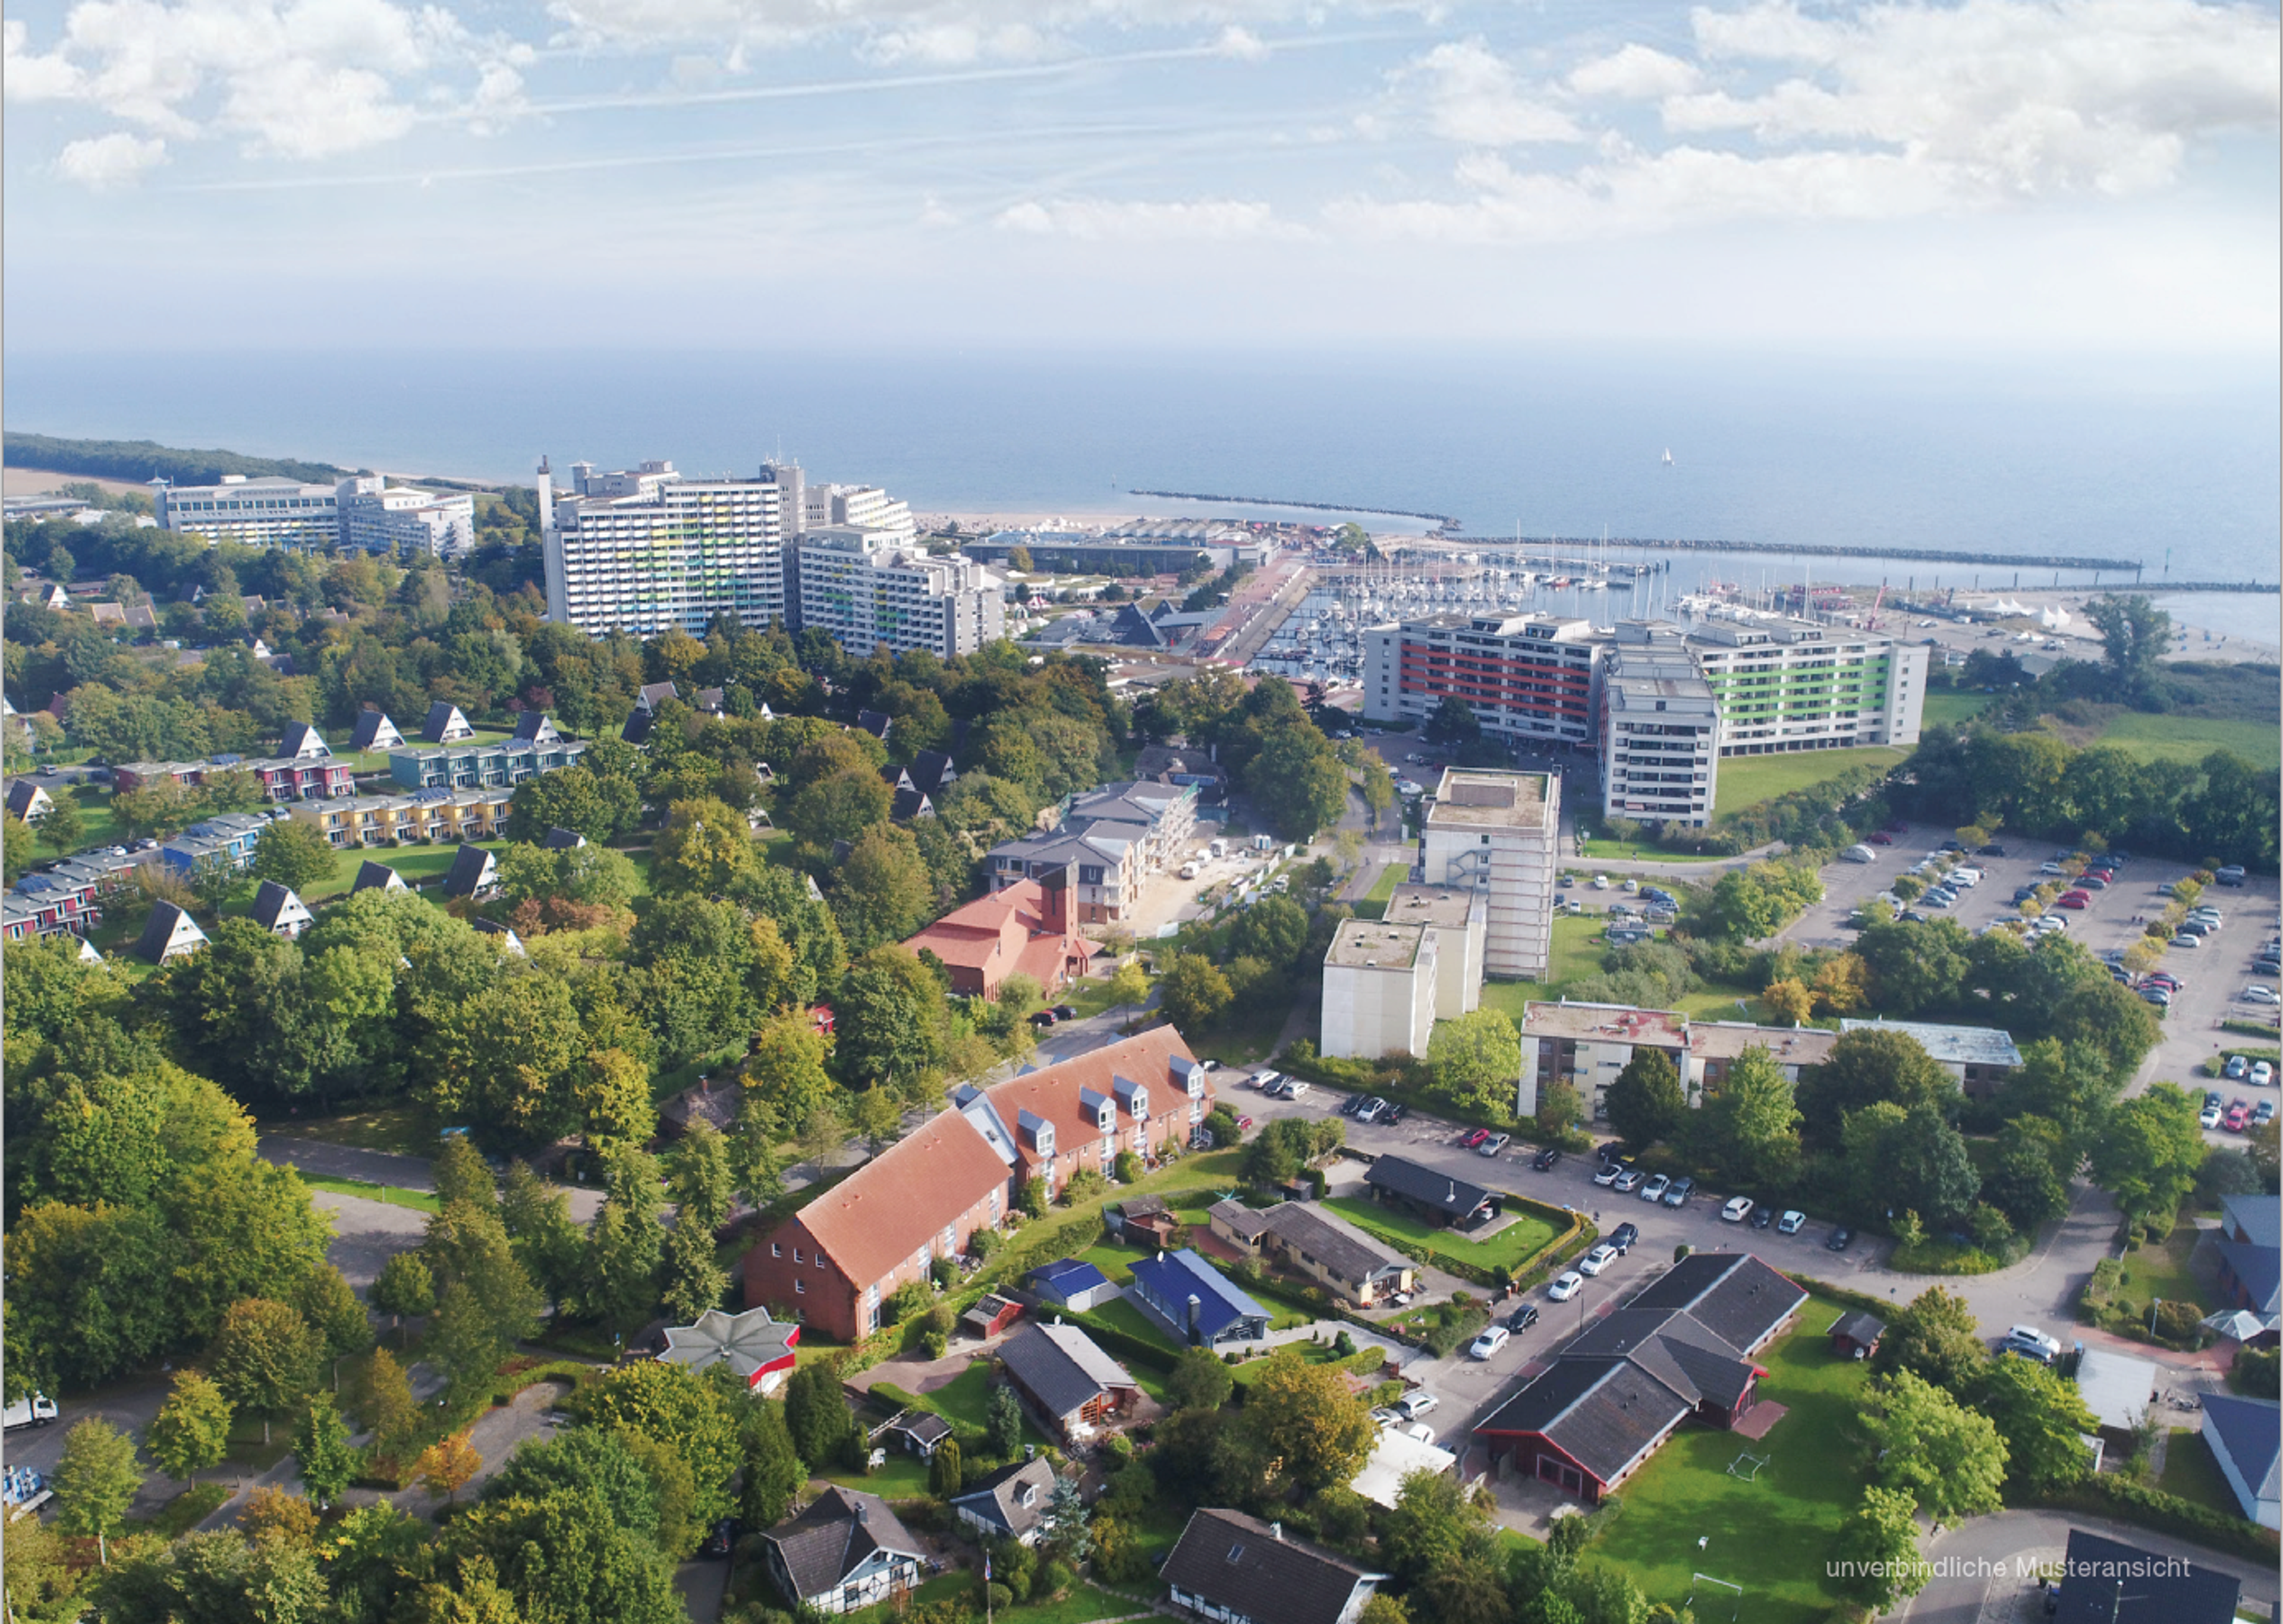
(1276, 1532)
(863, 1512)
(1196, 1311)
(1054, 900)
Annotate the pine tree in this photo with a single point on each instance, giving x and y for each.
(773, 1473)
(694, 1279)
(944, 1472)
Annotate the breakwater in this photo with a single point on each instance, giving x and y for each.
(1807, 549)
(1442, 519)
(2161, 586)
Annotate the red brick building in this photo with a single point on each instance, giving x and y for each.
(1024, 930)
(835, 1264)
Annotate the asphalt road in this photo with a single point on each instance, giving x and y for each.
(1997, 1557)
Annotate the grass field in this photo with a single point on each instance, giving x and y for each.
(1512, 1247)
(2162, 1271)
(1575, 952)
(1954, 708)
(1610, 851)
(1771, 1535)
(419, 865)
(388, 1194)
(2187, 738)
(1245, 1041)
(2192, 1472)
(1747, 781)
(1372, 904)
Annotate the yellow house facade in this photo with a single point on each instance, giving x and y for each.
(428, 817)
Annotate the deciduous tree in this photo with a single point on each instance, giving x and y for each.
(190, 1433)
(1949, 1459)
(321, 1449)
(1192, 992)
(295, 853)
(96, 1482)
(1302, 1417)
(265, 1357)
(2042, 1417)
(445, 1466)
(1645, 1103)
(1477, 1061)
(1937, 1338)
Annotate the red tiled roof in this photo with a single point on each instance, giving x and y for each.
(1052, 1092)
(881, 1215)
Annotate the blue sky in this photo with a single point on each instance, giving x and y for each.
(1994, 174)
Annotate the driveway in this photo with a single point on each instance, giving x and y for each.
(1994, 1557)
(381, 1167)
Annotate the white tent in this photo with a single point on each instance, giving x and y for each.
(759, 1349)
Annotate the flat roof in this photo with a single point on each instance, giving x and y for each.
(1956, 1045)
(1448, 906)
(1480, 798)
(1374, 944)
(1607, 1023)
(1725, 1040)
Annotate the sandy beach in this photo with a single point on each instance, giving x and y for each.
(39, 482)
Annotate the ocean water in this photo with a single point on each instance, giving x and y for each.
(2172, 465)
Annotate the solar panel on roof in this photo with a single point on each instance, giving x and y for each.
(225, 761)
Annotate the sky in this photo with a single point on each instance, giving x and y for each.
(1975, 176)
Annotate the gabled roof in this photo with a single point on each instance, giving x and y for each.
(1247, 1566)
(836, 1535)
(472, 871)
(1249, 1223)
(1859, 1327)
(931, 772)
(374, 731)
(1733, 1295)
(1060, 1366)
(1415, 1182)
(907, 804)
(875, 722)
(1174, 1278)
(24, 795)
(999, 1497)
(371, 874)
(1605, 1414)
(2261, 1270)
(654, 694)
(563, 840)
(639, 722)
(508, 937)
(1331, 1240)
(1154, 1059)
(445, 724)
(535, 727)
(301, 739)
(2247, 1433)
(1676, 1349)
(881, 1215)
(2259, 1219)
(275, 908)
(168, 932)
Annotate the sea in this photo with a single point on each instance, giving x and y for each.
(2168, 463)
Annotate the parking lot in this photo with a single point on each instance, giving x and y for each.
(2213, 976)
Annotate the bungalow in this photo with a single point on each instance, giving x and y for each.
(445, 724)
(759, 1350)
(1855, 1334)
(844, 1553)
(1010, 1503)
(1682, 1348)
(1244, 1227)
(1074, 1284)
(2250, 1244)
(915, 1431)
(375, 730)
(279, 912)
(2244, 1434)
(1436, 1197)
(171, 933)
(1236, 1569)
(1334, 1254)
(1194, 1302)
(1074, 1386)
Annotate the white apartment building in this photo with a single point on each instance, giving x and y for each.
(1529, 679)
(646, 549)
(403, 519)
(1661, 738)
(1795, 684)
(1459, 921)
(863, 507)
(865, 588)
(1498, 831)
(1379, 990)
(263, 512)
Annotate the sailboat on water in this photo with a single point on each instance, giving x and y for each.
(1668, 456)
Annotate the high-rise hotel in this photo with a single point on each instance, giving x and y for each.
(1662, 703)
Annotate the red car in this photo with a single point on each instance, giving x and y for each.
(1474, 1139)
(2238, 1114)
(2075, 899)
(1882, 839)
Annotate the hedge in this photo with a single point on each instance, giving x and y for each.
(2107, 1495)
(1154, 1354)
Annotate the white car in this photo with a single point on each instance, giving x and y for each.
(1600, 1258)
(1412, 1405)
(1966, 876)
(1789, 1224)
(2210, 1117)
(1601, 883)
(1565, 1285)
(1266, 1080)
(1738, 1208)
(1482, 1347)
(2256, 994)
(1385, 1416)
(1655, 1189)
(2262, 1073)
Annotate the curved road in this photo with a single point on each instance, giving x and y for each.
(1999, 1555)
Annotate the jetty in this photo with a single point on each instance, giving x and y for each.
(1807, 549)
(1444, 519)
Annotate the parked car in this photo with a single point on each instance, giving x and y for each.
(1416, 1403)
(1601, 883)
(2232, 875)
(2236, 1070)
(1880, 837)
(2256, 993)
(2074, 900)
(1545, 1161)
(2031, 1343)
(1676, 1193)
(1789, 1224)
(1523, 1317)
(1841, 1239)
(1991, 851)
(1244, 1124)
(1624, 1236)
(2186, 940)
(1610, 1173)
(1394, 1113)
(2263, 1114)
(1293, 1088)
(1489, 1342)
(1265, 1081)
(1565, 1285)
(2210, 1116)
(2263, 1073)
(36, 1409)
(1763, 1215)
(1473, 1139)
(1736, 1209)
(1493, 1144)
(1600, 1258)
(2050, 868)
(1655, 1189)
(1386, 1418)
(1065, 1012)
(1042, 1017)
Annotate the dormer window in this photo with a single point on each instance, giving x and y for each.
(1105, 1119)
(1029, 1495)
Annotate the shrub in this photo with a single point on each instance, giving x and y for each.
(2176, 1321)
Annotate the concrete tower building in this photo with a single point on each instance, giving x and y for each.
(1499, 831)
(646, 549)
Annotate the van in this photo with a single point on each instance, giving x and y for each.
(1859, 854)
(1219, 848)
(1189, 871)
(2032, 1343)
(36, 1409)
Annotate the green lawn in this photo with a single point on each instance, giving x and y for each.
(1362, 1360)
(1747, 781)
(2162, 1271)
(1954, 708)
(1082, 1605)
(2187, 738)
(1774, 1534)
(418, 865)
(1636, 851)
(1576, 953)
(1246, 1040)
(1373, 903)
(904, 1477)
(386, 1193)
(2192, 1472)
(1511, 1248)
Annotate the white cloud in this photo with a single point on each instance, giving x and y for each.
(109, 161)
(1099, 219)
(1635, 73)
(1240, 43)
(1470, 96)
(36, 78)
